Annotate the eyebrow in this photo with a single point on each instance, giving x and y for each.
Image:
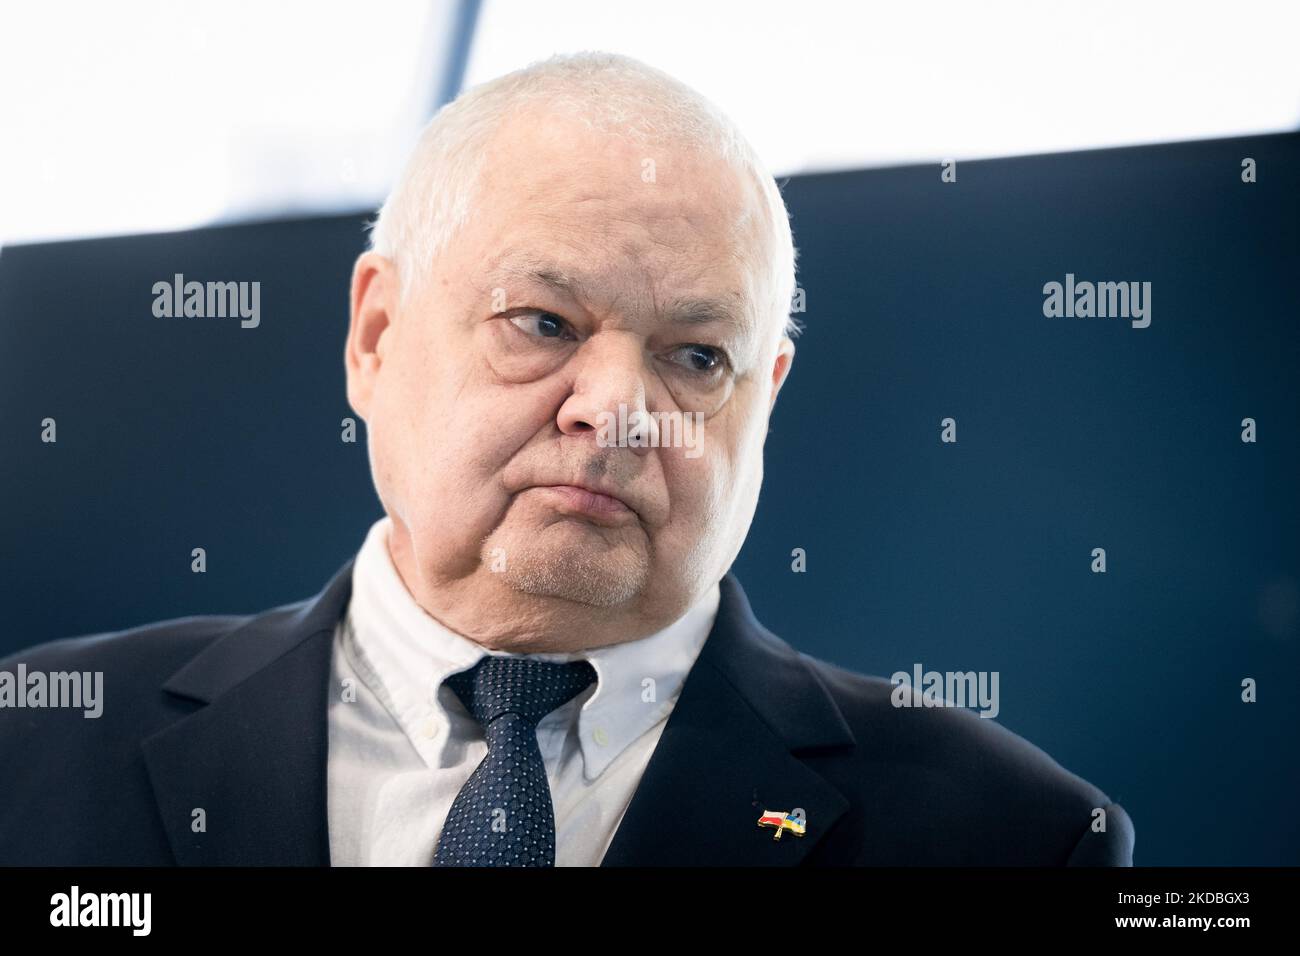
(543, 273)
(690, 311)
(694, 312)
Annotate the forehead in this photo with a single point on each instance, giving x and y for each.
(606, 217)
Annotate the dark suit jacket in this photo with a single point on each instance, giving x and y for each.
(229, 714)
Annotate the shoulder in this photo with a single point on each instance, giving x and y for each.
(968, 788)
(944, 735)
(77, 784)
(134, 664)
(153, 649)
(97, 693)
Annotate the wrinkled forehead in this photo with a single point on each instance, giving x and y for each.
(613, 217)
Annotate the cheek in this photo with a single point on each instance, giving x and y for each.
(698, 489)
(402, 427)
(408, 431)
(728, 476)
(446, 439)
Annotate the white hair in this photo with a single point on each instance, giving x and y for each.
(609, 92)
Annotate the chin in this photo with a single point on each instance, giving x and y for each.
(587, 572)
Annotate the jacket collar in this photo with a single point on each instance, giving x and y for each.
(729, 752)
(241, 778)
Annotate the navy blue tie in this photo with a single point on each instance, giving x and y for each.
(503, 816)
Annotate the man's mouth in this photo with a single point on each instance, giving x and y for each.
(601, 507)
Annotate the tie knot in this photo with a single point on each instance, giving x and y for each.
(519, 685)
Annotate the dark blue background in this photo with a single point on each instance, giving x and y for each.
(924, 301)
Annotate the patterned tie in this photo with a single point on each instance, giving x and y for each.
(503, 816)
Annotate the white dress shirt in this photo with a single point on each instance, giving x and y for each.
(401, 745)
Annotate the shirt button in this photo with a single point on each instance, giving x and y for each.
(601, 737)
(430, 728)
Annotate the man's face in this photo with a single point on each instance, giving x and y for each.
(585, 279)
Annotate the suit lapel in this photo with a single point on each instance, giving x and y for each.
(727, 754)
(253, 757)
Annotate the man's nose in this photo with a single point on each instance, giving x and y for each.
(608, 394)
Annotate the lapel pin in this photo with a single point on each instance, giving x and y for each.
(794, 821)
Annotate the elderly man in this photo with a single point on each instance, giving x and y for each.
(538, 656)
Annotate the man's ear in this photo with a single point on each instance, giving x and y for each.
(781, 368)
(373, 308)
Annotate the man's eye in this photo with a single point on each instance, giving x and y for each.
(700, 358)
(544, 325)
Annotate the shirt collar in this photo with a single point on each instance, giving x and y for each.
(404, 655)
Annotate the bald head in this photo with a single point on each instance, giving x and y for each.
(624, 98)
